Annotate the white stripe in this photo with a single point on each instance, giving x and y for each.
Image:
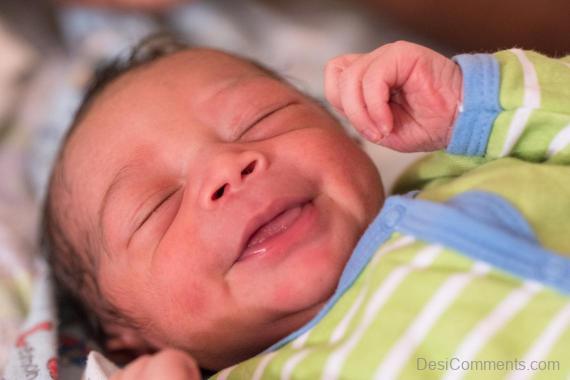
(543, 345)
(560, 141)
(488, 327)
(290, 365)
(401, 242)
(300, 341)
(225, 373)
(531, 101)
(340, 329)
(337, 358)
(400, 353)
(531, 97)
(262, 364)
(516, 129)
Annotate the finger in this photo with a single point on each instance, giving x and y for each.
(333, 70)
(352, 99)
(173, 365)
(377, 85)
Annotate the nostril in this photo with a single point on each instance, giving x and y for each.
(219, 193)
(249, 168)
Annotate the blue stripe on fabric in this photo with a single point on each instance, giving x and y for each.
(481, 106)
(503, 238)
(375, 235)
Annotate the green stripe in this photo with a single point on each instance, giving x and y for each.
(511, 96)
(559, 353)
(515, 339)
(540, 130)
(512, 80)
(553, 79)
(393, 318)
(499, 133)
(474, 303)
(562, 157)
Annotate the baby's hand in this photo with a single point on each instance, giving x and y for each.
(167, 364)
(401, 95)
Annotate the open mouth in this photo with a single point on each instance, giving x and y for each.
(268, 230)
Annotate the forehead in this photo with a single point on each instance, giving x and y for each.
(187, 78)
(198, 70)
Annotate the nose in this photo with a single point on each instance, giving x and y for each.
(228, 173)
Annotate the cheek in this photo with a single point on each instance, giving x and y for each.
(346, 173)
(179, 287)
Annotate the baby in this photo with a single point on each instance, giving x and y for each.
(201, 203)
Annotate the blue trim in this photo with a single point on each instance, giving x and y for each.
(492, 231)
(492, 210)
(480, 104)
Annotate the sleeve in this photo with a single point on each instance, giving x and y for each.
(516, 104)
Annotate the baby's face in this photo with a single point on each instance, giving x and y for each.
(226, 203)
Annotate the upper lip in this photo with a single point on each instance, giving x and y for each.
(267, 214)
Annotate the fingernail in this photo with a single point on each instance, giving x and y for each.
(371, 134)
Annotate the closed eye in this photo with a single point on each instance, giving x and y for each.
(155, 209)
(268, 114)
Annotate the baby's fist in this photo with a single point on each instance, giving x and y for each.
(401, 95)
(167, 364)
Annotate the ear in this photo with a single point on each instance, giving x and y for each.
(124, 343)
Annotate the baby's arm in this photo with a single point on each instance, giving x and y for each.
(515, 103)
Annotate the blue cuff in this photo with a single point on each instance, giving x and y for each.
(480, 104)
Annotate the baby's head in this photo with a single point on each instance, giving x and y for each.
(203, 203)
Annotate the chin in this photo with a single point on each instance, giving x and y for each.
(318, 275)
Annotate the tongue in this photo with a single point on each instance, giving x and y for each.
(276, 225)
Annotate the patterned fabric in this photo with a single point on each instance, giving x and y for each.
(34, 354)
(451, 294)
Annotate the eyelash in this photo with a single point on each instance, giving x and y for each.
(267, 115)
(156, 208)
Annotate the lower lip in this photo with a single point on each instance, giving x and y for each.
(285, 240)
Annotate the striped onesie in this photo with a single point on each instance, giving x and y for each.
(466, 275)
